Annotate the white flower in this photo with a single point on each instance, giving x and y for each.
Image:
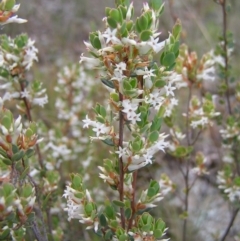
(129, 108)
(156, 46)
(90, 62)
(25, 94)
(121, 151)
(169, 89)
(154, 99)
(88, 122)
(41, 101)
(101, 129)
(199, 123)
(111, 36)
(135, 117)
(129, 41)
(120, 67)
(148, 158)
(14, 19)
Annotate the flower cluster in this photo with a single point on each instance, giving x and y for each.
(194, 70)
(16, 205)
(80, 204)
(17, 197)
(229, 184)
(7, 10)
(200, 114)
(16, 58)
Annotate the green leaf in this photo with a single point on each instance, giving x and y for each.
(177, 28)
(102, 111)
(156, 124)
(145, 35)
(24, 173)
(130, 25)
(21, 40)
(103, 220)
(143, 22)
(27, 191)
(3, 153)
(114, 223)
(6, 122)
(7, 161)
(76, 181)
(108, 83)
(123, 30)
(88, 208)
(182, 151)
(5, 234)
(160, 225)
(18, 156)
(160, 83)
(118, 203)
(133, 82)
(146, 228)
(114, 14)
(155, 4)
(136, 146)
(157, 233)
(123, 10)
(126, 85)
(29, 133)
(110, 213)
(9, 4)
(30, 152)
(97, 43)
(153, 136)
(237, 181)
(128, 213)
(168, 59)
(112, 22)
(108, 235)
(108, 142)
(122, 237)
(15, 149)
(7, 189)
(151, 192)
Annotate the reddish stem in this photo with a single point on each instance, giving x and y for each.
(121, 166)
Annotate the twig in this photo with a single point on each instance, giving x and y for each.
(134, 182)
(186, 181)
(225, 43)
(29, 116)
(121, 167)
(231, 222)
(34, 184)
(187, 120)
(37, 232)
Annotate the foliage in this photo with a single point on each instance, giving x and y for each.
(138, 81)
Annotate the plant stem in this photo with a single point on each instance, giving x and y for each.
(186, 174)
(29, 116)
(186, 181)
(38, 211)
(40, 161)
(121, 167)
(134, 182)
(225, 49)
(187, 120)
(231, 222)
